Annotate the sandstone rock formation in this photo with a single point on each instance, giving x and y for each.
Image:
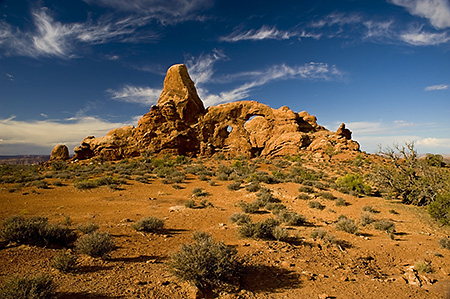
(180, 124)
(59, 152)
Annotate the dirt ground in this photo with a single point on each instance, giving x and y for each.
(372, 265)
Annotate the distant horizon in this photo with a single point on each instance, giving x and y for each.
(71, 69)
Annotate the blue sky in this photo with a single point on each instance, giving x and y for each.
(69, 69)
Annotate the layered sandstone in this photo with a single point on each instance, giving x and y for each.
(180, 124)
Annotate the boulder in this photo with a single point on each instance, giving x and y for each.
(59, 152)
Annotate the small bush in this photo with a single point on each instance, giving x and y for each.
(440, 208)
(40, 286)
(318, 233)
(36, 231)
(87, 228)
(369, 209)
(366, 219)
(303, 196)
(347, 225)
(275, 207)
(265, 196)
(64, 262)
(291, 218)
(190, 204)
(198, 192)
(315, 205)
(206, 263)
(252, 207)
(96, 244)
(306, 189)
(240, 218)
(392, 211)
(280, 233)
(353, 182)
(234, 186)
(259, 230)
(340, 202)
(326, 195)
(385, 225)
(149, 224)
(445, 243)
(423, 266)
(252, 187)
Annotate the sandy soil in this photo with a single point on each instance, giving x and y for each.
(372, 266)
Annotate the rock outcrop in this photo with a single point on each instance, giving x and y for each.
(180, 124)
(59, 152)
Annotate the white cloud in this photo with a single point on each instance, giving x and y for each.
(436, 11)
(422, 38)
(201, 69)
(437, 87)
(165, 11)
(10, 77)
(266, 32)
(53, 38)
(434, 142)
(27, 135)
(138, 95)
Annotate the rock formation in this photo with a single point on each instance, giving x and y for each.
(59, 152)
(180, 124)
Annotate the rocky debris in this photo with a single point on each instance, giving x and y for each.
(59, 152)
(179, 124)
(411, 277)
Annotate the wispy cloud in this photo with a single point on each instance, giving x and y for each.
(32, 135)
(435, 142)
(55, 39)
(437, 87)
(265, 33)
(165, 11)
(138, 95)
(10, 77)
(422, 38)
(436, 11)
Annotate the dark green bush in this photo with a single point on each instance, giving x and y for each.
(64, 262)
(440, 208)
(149, 224)
(95, 244)
(206, 263)
(38, 287)
(36, 231)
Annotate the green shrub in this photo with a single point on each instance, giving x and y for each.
(64, 262)
(315, 205)
(275, 207)
(87, 228)
(206, 263)
(252, 207)
(252, 187)
(340, 202)
(95, 244)
(291, 218)
(303, 196)
(423, 266)
(149, 224)
(40, 286)
(326, 195)
(36, 231)
(347, 225)
(240, 218)
(198, 192)
(259, 230)
(440, 208)
(306, 189)
(445, 243)
(353, 182)
(234, 186)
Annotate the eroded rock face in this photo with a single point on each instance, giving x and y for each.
(179, 124)
(59, 152)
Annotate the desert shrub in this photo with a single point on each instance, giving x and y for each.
(190, 204)
(259, 230)
(177, 187)
(306, 189)
(275, 207)
(95, 244)
(87, 228)
(212, 183)
(392, 211)
(234, 186)
(199, 192)
(407, 177)
(252, 187)
(149, 224)
(385, 225)
(315, 205)
(326, 195)
(85, 184)
(36, 231)
(240, 218)
(440, 208)
(265, 196)
(434, 160)
(366, 219)
(280, 233)
(318, 233)
(369, 209)
(41, 286)
(340, 202)
(252, 207)
(423, 266)
(353, 182)
(64, 262)
(303, 196)
(206, 263)
(57, 183)
(347, 225)
(445, 243)
(291, 218)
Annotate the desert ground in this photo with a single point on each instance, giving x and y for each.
(370, 263)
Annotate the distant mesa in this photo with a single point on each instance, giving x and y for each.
(179, 124)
